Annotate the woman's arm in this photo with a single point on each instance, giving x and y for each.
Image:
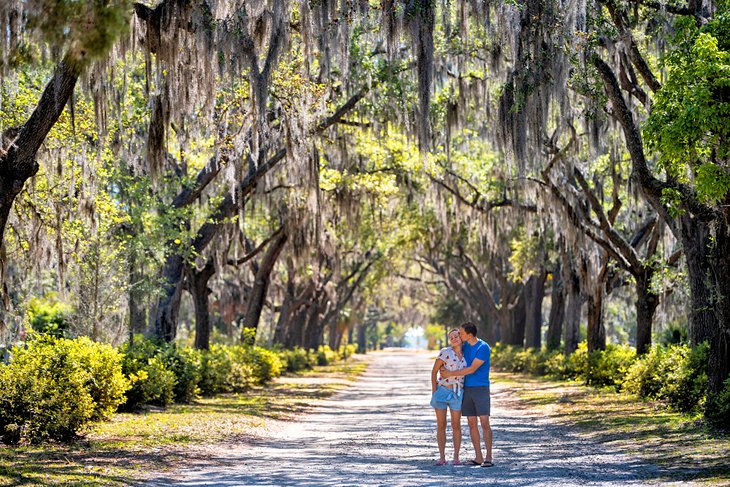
(460, 373)
(434, 373)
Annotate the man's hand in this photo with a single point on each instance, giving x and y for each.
(445, 373)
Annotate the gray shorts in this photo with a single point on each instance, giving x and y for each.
(476, 401)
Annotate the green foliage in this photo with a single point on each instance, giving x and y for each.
(296, 359)
(718, 407)
(266, 363)
(325, 355)
(185, 363)
(90, 28)
(49, 315)
(106, 382)
(347, 351)
(54, 387)
(608, 367)
(676, 374)
(151, 379)
(689, 125)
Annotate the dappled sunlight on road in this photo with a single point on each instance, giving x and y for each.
(382, 432)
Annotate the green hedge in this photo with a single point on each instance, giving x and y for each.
(54, 387)
(673, 373)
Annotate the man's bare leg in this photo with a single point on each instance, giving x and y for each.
(475, 440)
(441, 433)
(487, 430)
(456, 432)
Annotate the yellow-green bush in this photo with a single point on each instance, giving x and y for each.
(152, 382)
(718, 407)
(325, 355)
(266, 363)
(296, 359)
(51, 387)
(676, 374)
(106, 382)
(347, 351)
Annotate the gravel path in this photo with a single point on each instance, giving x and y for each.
(382, 432)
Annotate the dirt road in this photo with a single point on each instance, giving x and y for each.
(381, 432)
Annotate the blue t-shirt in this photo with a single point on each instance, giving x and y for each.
(481, 351)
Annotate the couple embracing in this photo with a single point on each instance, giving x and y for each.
(463, 387)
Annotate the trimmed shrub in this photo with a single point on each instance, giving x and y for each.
(325, 355)
(643, 376)
(295, 360)
(609, 367)
(226, 369)
(676, 374)
(185, 363)
(265, 363)
(717, 408)
(106, 382)
(152, 382)
(44, 393)
(686, 377)
(347, 351)
(215, 368)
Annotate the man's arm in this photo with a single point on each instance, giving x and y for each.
(460, 373)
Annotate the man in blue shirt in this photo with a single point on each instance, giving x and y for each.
(476, 403)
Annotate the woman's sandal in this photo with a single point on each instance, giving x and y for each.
(440, 463)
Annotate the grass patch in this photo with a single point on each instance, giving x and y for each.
(128, 448)
(684, 443)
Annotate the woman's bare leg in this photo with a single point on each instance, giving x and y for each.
(441, 432)
(456, 432)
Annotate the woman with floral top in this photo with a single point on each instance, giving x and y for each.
(447, 392)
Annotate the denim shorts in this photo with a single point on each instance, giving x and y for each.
(445, 396)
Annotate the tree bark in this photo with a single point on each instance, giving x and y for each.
(695, 241)
(557, 310)
(646, 304)
(17, 161)
(517, 316)
(571, 330)
(198, 285)
(596, 329)
(534, 294)
(262, 281)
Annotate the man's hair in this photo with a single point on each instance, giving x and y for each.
(470, 328)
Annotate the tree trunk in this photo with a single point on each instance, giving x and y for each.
(557, 311)
(198, 285)
(719, 360)
(534, 295)
(597, 283)
(169, 303)
(137, 312)
(646, 304)
(517, 318)
(313, 331)
(362, 343)
(262, 281)
(17, 162)
(696, 241)
(571, 330)
(596, 330)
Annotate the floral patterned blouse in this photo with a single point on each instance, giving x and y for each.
(452, 362)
